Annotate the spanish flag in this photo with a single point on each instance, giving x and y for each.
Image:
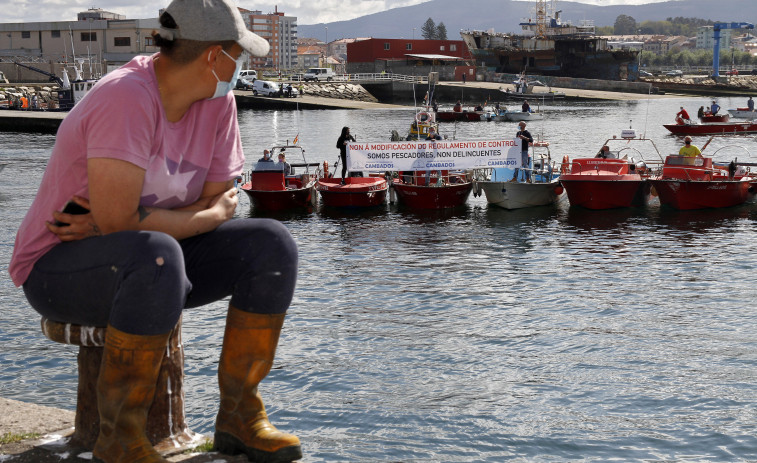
(296, 139)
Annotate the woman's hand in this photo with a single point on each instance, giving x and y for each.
(225, 204)
(79, 226)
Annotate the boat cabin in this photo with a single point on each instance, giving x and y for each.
(679, 167)
(602, 166)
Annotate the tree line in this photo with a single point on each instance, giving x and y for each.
(684, 58)
(627, 25)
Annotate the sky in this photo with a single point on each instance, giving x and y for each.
(306, 11)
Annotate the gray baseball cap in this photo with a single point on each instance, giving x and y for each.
(212, 20)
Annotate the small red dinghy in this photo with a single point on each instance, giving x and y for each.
(415, 191)
(355, 192)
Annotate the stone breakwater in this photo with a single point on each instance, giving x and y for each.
(12, 97)
(338, 90)
(732, 85)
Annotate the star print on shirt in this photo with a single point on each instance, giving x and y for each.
(171, 184)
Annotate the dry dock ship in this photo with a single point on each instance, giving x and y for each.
(550, 47)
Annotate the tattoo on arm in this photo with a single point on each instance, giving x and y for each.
(95, 230)
(143, 213)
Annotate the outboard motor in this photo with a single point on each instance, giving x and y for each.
(639, 167)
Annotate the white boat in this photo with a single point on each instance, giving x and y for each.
(516, 116)
(743, 113)
(501, 191)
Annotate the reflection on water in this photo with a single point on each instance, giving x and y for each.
(475, 334)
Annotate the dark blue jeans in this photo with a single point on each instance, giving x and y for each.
(140, 282)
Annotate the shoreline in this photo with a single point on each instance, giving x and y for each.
(49, 121)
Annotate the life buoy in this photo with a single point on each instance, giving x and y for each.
(422, 116)
(565, 165)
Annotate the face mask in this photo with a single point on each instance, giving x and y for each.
(222, 88)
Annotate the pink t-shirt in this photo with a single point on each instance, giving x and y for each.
(122, 118)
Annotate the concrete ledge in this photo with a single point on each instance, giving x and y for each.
(55, 425)
(30, 121)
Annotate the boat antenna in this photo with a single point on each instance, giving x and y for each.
(646, 116)
(708, 142)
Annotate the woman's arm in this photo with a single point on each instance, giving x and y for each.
(115, 188)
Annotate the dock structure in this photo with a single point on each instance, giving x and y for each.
(30, 121)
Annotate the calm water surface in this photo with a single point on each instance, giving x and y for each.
(478, 334)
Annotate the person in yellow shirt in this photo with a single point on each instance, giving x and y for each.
(689, 151)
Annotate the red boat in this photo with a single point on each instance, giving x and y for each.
(714, 128)
(618, 181)
(355, 192)
(270, 188)
(451, 116)
(415, 191)
(694, 183)
(708, 118)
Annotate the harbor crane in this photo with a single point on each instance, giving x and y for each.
(717, 27)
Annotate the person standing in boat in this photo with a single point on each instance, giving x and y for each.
(714, 108)
(152, 153)
(433, 136)
(344, 139)
(700, 113)
(689, 151)
(285, 167)
(525, 139)
(750, 104)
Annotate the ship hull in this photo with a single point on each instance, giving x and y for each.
(583, 57)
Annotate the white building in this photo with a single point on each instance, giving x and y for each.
(281, 33)
(103, 40)
(706, 38)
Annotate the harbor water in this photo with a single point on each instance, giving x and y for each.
(475, 334)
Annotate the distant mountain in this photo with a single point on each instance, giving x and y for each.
(504, 16)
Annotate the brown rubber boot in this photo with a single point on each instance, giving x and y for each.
(242, 425)
(125, 390)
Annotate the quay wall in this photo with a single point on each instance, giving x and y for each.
(30, 121)
(576, 83)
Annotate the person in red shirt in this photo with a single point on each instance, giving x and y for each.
(682, 116)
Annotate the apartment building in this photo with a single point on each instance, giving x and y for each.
(281, 33)
(706, 38)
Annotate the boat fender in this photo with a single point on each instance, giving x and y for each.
(559, 189)
(326, 169)
(476, 189)
(565, 166)
(313, 195)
